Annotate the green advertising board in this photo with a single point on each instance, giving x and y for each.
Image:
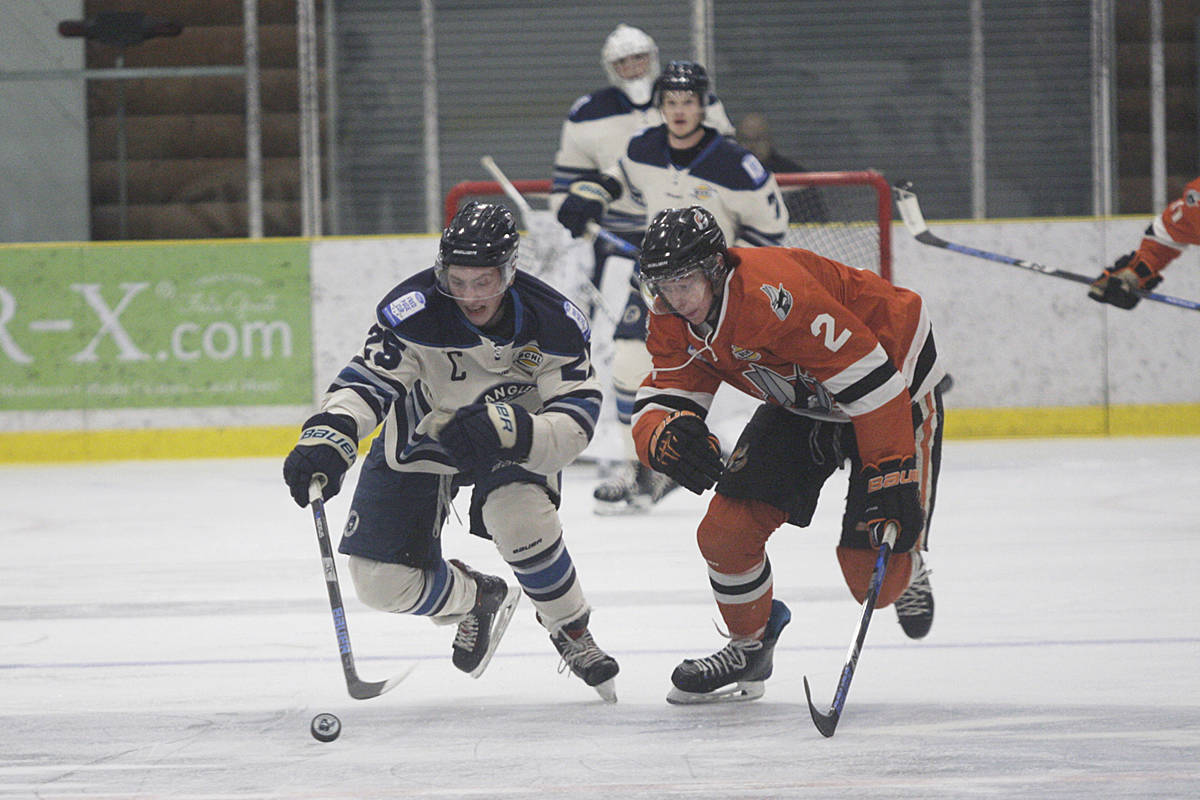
(155, 325)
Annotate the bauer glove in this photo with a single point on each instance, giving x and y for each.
(586, 201)
(327, 448)
(481, 434)
(1118, 285)
(682, 448)
(892, 497)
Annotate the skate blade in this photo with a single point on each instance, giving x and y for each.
(607, 690)
(499, 626)
(744, 690)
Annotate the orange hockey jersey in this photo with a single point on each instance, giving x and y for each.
(1173, 230)
(805, 332)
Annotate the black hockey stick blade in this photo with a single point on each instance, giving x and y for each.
(358, 688)
(914, 220)
(826, 723)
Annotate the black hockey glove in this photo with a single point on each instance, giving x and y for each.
(1118, 284)
(893, 497)
(682, 448)
(481, 434)
(586, 201)
(328, 446)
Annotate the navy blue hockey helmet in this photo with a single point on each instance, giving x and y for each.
(480, 235)
(682, 76)
(679, 241)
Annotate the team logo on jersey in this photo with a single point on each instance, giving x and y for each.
(528, 359)
(404, 307)
(781, 300)
(579, 318)
(1192, 197)
(798, 390)
(743, 354)
(703, 192)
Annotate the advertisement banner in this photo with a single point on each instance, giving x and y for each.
(155, 325)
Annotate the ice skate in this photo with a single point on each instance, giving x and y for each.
(483, 626)
(614, 494)
(631, 489)
(585, 659)
(914, 608)
(735, 672)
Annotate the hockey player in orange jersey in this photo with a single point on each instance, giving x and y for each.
(846, 366)
(1165, 238)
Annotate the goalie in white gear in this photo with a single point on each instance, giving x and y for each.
(481, 378)
(599, 125)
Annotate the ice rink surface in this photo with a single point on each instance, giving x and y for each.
(164, 633)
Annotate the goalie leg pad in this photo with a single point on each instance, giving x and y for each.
(528, 535)
(630, 365)
(857, 566)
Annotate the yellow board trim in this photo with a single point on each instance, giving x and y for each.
(265, 441)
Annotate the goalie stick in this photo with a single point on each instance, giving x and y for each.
(827, 723)
(910, 213)
(623, 247)
(358, 688)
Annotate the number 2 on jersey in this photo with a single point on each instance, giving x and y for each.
(825, 322)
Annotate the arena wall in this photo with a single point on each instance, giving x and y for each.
(1030, 355)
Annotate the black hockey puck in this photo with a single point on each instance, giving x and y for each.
(325, 727)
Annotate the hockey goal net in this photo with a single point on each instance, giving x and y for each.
(846, 216)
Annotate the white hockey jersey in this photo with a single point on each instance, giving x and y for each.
(423, 360)
(594, 135)
(723, 177)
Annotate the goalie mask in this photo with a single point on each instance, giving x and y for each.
(678, 242)
(480, 235)
(623, 42)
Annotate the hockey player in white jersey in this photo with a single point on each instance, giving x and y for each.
(600, 124)
(681, 162)
(480, 374)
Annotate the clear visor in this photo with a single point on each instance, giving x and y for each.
(653, 288)
(472, 284)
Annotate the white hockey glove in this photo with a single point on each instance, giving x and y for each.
(327, 448)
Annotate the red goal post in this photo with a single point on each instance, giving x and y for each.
(846, 216)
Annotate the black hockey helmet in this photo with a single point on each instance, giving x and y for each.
(679, 241)
(682, 76)
(480, 235)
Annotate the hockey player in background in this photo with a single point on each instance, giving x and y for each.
(679, 162)
(1171, 232)
(846, 367)
(599, 125)
(480, 375)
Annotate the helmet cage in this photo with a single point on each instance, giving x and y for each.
(625, 41)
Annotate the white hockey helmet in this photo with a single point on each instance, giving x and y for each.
(625, 41)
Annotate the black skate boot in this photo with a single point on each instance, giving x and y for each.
(746, 662)
(483, 626)
(914, 608)
(585, 659)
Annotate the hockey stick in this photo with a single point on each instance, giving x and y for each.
(623, 247)
(910, 212)
(358, 688)
(511, 191)
(827, 723)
